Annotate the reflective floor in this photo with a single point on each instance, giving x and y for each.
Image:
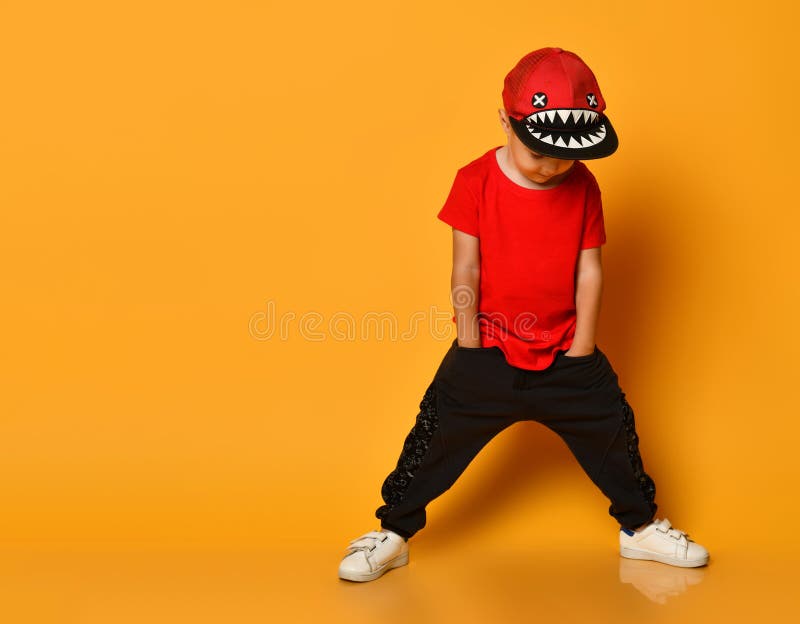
(205, 584)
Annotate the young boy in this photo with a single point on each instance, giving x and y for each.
(526, 285)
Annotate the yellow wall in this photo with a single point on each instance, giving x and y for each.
(169, 172)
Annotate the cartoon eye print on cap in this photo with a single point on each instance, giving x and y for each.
(591, 100)
(539, 99)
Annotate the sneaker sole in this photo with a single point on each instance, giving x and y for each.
(632, 553)
(398, 561)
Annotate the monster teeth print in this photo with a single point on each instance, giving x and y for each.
(567, 127)
(571, 140)
(564, 117)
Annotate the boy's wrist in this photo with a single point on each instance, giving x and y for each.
(469, 344)
(577, 349)
(468, 333)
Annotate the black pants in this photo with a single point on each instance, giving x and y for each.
(475, 394)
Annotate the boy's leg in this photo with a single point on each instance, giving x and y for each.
(468, 402)
(580, 399)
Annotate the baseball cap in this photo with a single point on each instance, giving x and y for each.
(555, 106)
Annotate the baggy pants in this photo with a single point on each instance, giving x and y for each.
(475, 394)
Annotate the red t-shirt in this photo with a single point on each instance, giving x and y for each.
(530, 240)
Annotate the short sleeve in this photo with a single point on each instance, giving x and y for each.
(460, 209)
(594, 231)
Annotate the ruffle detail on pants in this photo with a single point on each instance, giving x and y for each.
(414, 450)
(646, 484)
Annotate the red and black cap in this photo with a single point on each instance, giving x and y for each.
(555, 106)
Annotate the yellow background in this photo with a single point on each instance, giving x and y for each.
(172, 171)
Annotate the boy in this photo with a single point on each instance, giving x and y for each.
(526, 285)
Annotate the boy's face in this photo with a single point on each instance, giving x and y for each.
(534, 166)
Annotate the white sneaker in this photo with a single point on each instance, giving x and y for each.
(372, 554)
(660, 542)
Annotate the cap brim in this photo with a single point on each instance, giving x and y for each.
(556, 143)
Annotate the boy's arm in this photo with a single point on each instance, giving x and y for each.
(465, 287)
(588, 292)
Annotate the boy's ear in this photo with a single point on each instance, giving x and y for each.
(504, 120)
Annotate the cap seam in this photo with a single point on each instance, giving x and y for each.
(566, 73)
